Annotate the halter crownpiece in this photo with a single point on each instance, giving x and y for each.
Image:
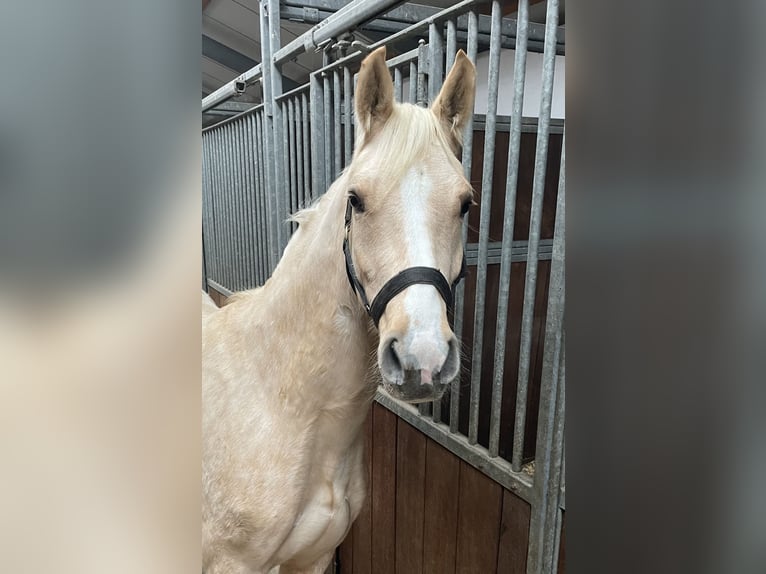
(399, 282)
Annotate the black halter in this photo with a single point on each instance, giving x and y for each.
(398, 282)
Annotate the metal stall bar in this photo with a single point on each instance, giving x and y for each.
(435, 80)
(486, 201)
(233, 88)
(284, 176)
(254, 144)
(398, 84)
(413, 91)
(215, 153)
(235, 193)
(299, 151)
(293, 155)
(263, 202)
(420, 88)
(318, 161)
(348, 128)
(306, 150)
(248, 223)
(538, 187)
(328, 134)
(337, 122)
(473, 48)
(225, 208)
(550, 427)
(519, 77)
(207, 212)
(451, 44)
(242, 213)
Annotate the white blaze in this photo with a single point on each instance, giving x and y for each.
(423, 304)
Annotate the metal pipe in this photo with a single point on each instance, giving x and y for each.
(451, 45)
(348, 128)
(292, 155)
(344, 19)
(486, 203)
(519, 76)
(413, 83)
(233, 88)
(538, 188)
(328, 132)
(398, 84)
(318, 184)
(336, 97)
(284, 176)
(299, 151)
(306, 150)
(262, 203)
(467, 161)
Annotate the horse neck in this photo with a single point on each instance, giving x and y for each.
(313, 291)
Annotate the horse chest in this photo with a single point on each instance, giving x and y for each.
(326, 515)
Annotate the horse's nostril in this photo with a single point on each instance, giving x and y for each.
(390, 362)
(394, 355)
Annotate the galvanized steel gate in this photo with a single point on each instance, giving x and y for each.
(263, 164)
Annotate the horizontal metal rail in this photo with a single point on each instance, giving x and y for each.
(230, 89)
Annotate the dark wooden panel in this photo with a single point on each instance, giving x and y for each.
(410, 482)
(362, 541)
(440, 522)
(478, 532)
(514, 535)
(383, 497)
(218, 298)
(346, 554)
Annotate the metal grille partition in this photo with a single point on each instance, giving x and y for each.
(268, 162)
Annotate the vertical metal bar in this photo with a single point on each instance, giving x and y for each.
(486, 203)
(451, 50)
(538, 187)
(318, 180)
(306, 151)
(236, 212)
(435, 80)
(217, 207)
(467, 160)
(519, 76)
(207, 210)
(413, 92)
(337, 121)
(259, 228)
(292, 157)
(256, 209)
(285, 175)
(348, 144)
(248, 203)
(228, 185)
(244, 208)
(420, 87)
(299, 153)
(263, 205)
(328, 133)
(398, 84)
(435, 59)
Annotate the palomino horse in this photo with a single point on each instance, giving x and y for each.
(288, 369)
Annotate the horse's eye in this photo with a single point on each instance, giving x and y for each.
(356, 203)
(465, 207)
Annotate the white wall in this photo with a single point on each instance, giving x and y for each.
(532, 88)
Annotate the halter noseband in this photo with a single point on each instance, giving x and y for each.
(399, 282)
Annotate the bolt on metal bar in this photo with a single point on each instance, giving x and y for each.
(318, 182)
(519, 77)
(336, 101)
(467, 160)
(538, 188)
(348, 128)
(486, 203)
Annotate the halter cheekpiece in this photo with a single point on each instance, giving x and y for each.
(399, 282)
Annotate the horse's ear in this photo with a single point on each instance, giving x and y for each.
(454, 104)
(374, 95)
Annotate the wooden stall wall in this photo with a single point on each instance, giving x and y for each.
(428, 512)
